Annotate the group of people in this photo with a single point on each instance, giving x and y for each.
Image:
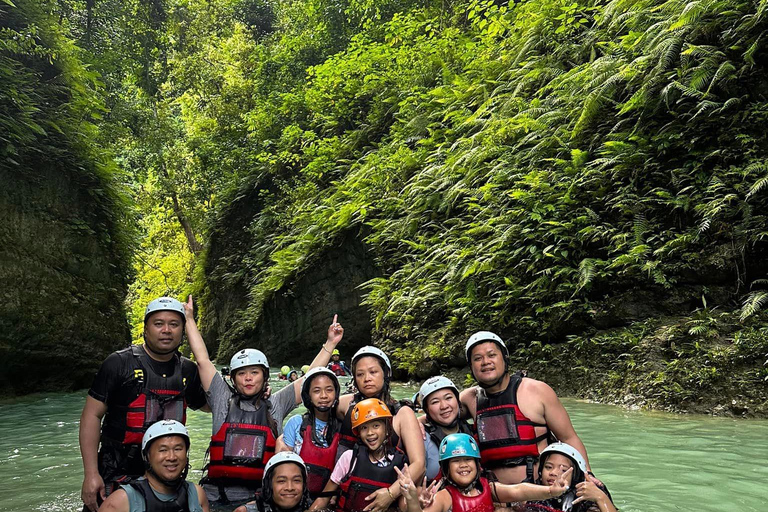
(507, 442)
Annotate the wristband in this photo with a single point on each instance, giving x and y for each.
(390, 494)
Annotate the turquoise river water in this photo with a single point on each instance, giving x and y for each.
(651, 462)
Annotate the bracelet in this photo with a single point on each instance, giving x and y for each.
(390, 494)
(323, 347)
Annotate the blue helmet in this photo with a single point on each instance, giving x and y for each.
(458, 445)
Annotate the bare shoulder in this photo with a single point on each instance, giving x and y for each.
(468, 399)
(344, 401)
(537, 387)
(116, 502)
(202, 498)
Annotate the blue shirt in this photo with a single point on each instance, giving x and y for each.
(292, 437)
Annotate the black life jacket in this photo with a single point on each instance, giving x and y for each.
(348, 438)
(180, 503)
(367, 477)
(155, 398)
(319, 460)
(505, 436)
(241, 447)
(483, 502)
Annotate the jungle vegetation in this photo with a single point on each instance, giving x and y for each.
(587, 178)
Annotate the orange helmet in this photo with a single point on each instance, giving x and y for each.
(368, 410)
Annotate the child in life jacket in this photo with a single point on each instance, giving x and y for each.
(582, 494)
(246, 424)
(367, 474)
(465, 490)
(315, 434)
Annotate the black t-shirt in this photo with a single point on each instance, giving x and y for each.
(113, 383)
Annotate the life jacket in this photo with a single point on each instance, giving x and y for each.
(348, 438)
(505, 436)
(483, 502)
(241, 448)
(337, 368)
(156, 398)
(537, 506)
(320, 461)
(152, 504)
(365, 478)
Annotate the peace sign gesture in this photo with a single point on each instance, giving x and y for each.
(561, 486)
(427, 495)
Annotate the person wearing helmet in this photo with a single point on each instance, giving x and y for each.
(465, 490)
(284, 486)
(338, 366)
(293, 376)
(439, 397)
(284, 371)
(305, 369)
(164, 486)
(514, 415)
(315, 434)
(583, 495)
(134, 388)
(371, 373)
(366, 474)
(246, 425)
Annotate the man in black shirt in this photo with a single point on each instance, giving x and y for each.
(134, 388)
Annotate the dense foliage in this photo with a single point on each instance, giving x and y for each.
(64, 242)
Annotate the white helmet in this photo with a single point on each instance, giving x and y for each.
(248, 357)
(568, 451)
(281, 458)
(483, 337)
(162, 429)
(436, 384)
(372, 351)
(165, 304)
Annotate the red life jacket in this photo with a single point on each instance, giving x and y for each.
(335, 367)
(319, 461)
(241, 448)
(505, 436)
(483, 502)
(349, 439)
(365, 478)
(156, 398)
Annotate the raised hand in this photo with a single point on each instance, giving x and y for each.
(588, 491)
(189, 308)
(427, 494)
(407, 487)
(561, 486)
(335, 331)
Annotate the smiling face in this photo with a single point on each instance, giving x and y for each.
(249, 380)
(322, 392)
(287, 485)
(168, 456)
(373, 434)
(369, 376)
(163, 331)
(487, 362)
(555, 465)
(463, 470)
(442, 407)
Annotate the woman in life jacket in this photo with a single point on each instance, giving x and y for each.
(315, 434)
(284, 486)
(371, 373)
(245, 423)
(464, 489)
(163, 488)
(366, 474)
(440, 399)
(583, 494)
